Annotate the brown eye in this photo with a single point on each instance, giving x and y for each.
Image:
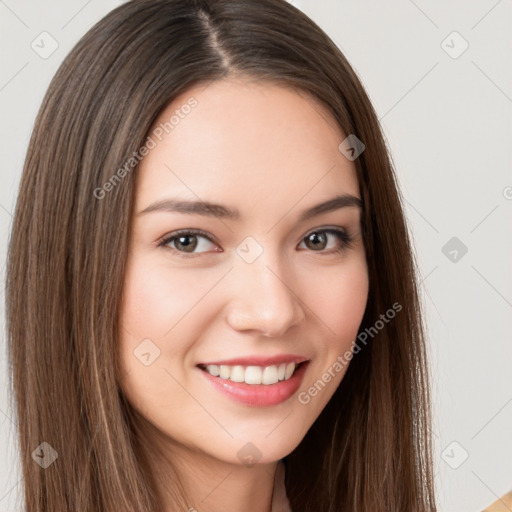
(316, 240)
(186, 243)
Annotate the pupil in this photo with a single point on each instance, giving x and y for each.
(190, 246)
(315, 238)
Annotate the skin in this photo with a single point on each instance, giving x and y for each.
(271, 153)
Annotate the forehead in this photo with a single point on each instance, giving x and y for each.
(245, 141)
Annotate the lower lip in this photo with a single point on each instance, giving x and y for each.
(259, 395)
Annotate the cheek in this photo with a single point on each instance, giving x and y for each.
(157, 298)
(339, 300)
(152, 306)
(157, 305)
(163, 313)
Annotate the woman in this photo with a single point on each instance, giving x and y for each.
(211, 293)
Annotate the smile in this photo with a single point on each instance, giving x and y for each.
(256, 385)
(253, 374)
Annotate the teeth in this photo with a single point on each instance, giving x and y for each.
(213, 369)
(253, 374)
(290, 367)
(270, 375)
(237, 374)
(224, 372)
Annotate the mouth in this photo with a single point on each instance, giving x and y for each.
(253, 375)
(257, 386)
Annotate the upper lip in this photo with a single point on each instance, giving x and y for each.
(258, 360)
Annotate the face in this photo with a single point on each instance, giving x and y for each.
(232, 314)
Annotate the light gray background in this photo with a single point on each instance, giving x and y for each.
(447, 120)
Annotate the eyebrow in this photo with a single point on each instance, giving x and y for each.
(222, 212)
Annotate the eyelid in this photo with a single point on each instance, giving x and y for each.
(343, 235)
(325, 229)
(162, 242)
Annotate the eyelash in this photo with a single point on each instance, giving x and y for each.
(343, 236)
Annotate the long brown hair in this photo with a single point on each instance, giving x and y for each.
(370, 448)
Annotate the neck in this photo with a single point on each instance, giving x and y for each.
(213, 485)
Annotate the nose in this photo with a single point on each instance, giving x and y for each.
(263, 299)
